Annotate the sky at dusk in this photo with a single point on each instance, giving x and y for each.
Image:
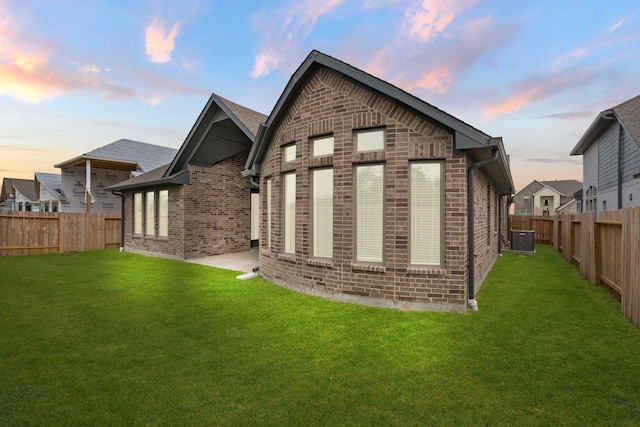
(77, 75)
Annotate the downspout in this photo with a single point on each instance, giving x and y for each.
(119, 194)
(620, 130)
(473, 304)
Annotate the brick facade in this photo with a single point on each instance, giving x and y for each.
(208, 216)
(330, 104)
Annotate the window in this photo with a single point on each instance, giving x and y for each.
(268, 212)
(322, 146)
(255, 215)
(545, 202)
(137, 213)
(525, 199)
(322, 222)
(370, 213)
(488, 214)
(163, 213)
(426, 213)
(289, 153)
(289, 212)
(150, 217)
(370, 140)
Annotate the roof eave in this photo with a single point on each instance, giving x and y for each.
(180, 178)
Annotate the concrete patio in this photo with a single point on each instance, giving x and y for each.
(244, 262)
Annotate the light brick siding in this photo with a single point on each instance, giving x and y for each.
(331, 104)
(209, 216)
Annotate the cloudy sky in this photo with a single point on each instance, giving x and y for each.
(77, 75)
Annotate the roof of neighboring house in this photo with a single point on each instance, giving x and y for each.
(566, 187)
(26, 188)
(627, 113)
(477, 144)
(223, 129)
(124, 154)
(51, 181)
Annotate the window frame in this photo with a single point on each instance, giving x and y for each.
(149, 214)
(365, 131)
(287, 151)
(319, 139)
(412, 257)
(358, 256)
(137, 214)
(319, 232)
(163, 213)
(289, 215)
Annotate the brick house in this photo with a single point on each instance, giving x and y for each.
(371, 195)
(548, 198)
(199, 204)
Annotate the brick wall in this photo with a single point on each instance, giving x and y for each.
(330, 104)
(209, 216)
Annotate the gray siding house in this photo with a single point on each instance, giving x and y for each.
(611, 158)
(547, 198)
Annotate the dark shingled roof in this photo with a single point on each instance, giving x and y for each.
(26, 187)
(566, 187)
(627, 113)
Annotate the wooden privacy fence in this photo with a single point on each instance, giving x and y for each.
(606, 250)
(41, 232)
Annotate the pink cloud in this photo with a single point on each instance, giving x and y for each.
(285, 29)
(437, 80)
(159, 43)
(515, 102)
(431, 17)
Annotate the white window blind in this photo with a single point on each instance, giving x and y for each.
(163, 213)
(137, 213)
(370, 213)
(426, 213)
(370, 140)
(323, 213)
(269, 212)
(323, 146)
(255, 216)
(150, 217)
(289, 153)
(289, 219)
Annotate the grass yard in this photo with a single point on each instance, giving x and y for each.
(109, 338)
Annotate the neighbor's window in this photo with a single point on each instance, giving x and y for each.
(289, 212)
(163, 213)
(370, 213)
(322, 224)
(289, 153)
(150, 214)
(268, 212)
(426, 213)
(137, 213)
(322, 146)
(370, 140)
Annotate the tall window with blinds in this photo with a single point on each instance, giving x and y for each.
(289, 212)
(150, 214)
(137, 213)
(426, 213)
(268, 212)
(163, 213)
(370, 213)
(322, 213)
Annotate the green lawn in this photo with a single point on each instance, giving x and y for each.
(109, 338)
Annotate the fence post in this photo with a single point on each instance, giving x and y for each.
(60, 233)
(597, 243)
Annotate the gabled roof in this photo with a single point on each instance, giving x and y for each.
(124, 154)
(223, 129)
(51, 181)
(466, 137)
(26, 188)
(153, 178)
(566, 187)
(627, 113)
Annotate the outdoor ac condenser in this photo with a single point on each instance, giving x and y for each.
(523, 240)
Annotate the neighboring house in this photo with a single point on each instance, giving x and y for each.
(547, 198)
(199, 204)
(18, 195)
(87, 176)
(371, 195)
(610, 151)
(48, 187)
